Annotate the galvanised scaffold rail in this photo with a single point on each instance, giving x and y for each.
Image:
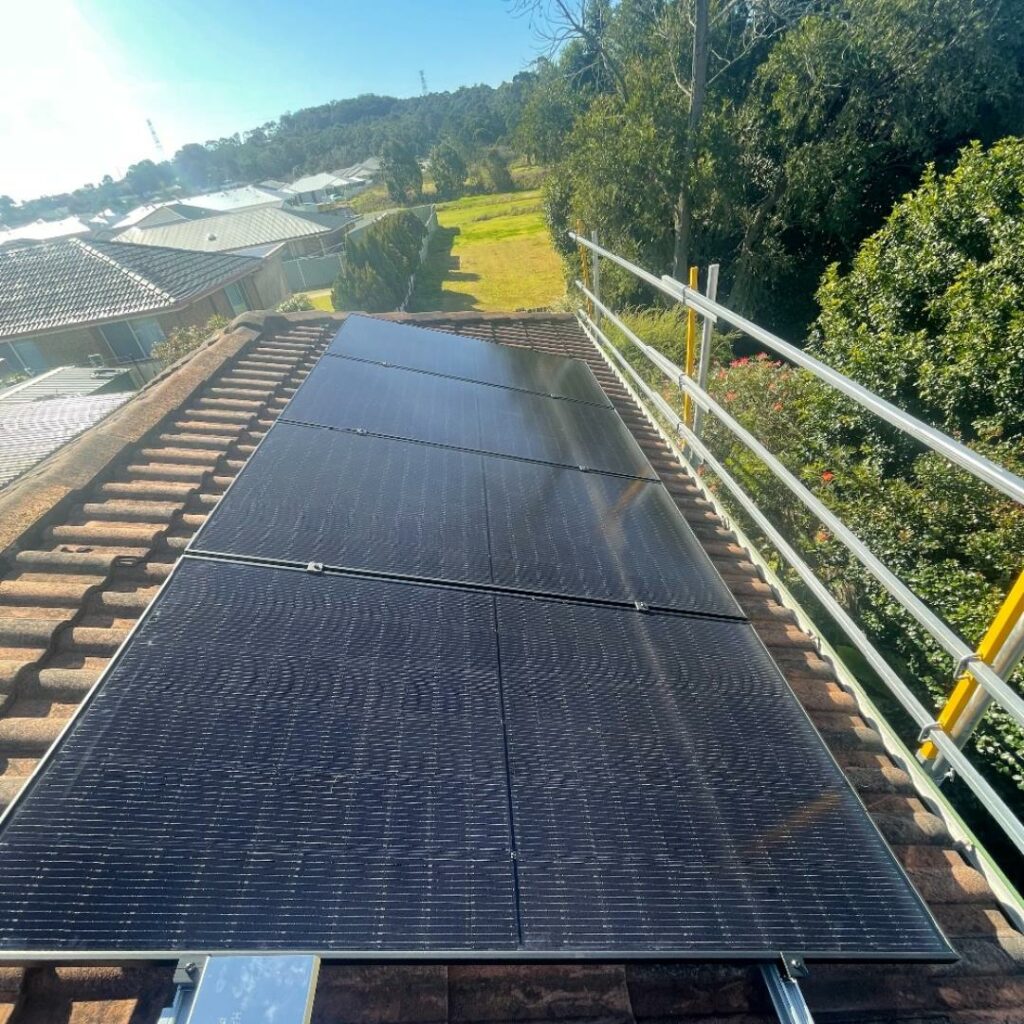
(946, 736)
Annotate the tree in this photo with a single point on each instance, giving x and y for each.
(379, 263)
(929, 314)
(448, 170)
(400, 171)
(494, 173)
(7, 204)
(146, 178)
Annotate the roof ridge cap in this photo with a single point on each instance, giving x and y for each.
(134, 275)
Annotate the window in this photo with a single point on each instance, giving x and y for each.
(22, 357)
(236, 296)
(121, 339)
(148, 333)
(132, 340)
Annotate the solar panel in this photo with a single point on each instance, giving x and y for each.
(285, 760)
(383, 505)
(455, 355)
(669, 794)
(278, 760)
(352, 395)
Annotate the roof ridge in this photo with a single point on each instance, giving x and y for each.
(132, 274)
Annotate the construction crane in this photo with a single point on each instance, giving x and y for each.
(156, 138)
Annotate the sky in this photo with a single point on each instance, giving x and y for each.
(80, 78)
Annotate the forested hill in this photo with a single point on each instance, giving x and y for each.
(315, 139)
(345, 131)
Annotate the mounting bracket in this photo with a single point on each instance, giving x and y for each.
(782, 981)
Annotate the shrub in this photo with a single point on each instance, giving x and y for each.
(296, 303)
(183, 340)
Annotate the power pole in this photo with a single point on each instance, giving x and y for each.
(423, 83)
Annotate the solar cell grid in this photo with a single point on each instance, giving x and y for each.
(291, 760)
(350, 395)
(454, 355)
(383, 505)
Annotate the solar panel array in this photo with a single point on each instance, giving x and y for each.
(423, 686)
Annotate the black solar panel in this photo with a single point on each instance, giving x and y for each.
(278, 760)
(282, 760)
(454, 355)
(382, 505)
(352, 395)
(669, 794)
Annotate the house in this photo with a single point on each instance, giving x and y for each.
(44, 231)
(71, 300)
(244, 197)
(98, 527)
(304, 233)
(316, 188)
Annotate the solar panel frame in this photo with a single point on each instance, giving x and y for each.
(521, 952)
(392, 343)
(370, 503)
(38, 778)
(349, 394)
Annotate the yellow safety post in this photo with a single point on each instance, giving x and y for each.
(1002, 626)
(585, 269)
(691, 350)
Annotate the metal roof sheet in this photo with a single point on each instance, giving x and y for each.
(70, 282)
(67, 381)
(238, 230)
(30, 431)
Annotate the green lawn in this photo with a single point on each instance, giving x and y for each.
(490, 252)
(321, 299)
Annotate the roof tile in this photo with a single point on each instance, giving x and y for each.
(72, 282)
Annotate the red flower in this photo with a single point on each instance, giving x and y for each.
(827, 476)
(730, 395)
(740, 362)
(777, 407)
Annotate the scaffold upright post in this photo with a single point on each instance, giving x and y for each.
(704, 363)
(691, 350)
(595, 276)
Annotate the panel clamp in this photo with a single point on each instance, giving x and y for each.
(315, 567)
(793, 967)
(641, 606)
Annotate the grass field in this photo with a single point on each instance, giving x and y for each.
(321, 299)
(490, 252)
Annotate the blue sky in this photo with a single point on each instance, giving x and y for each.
(75, 97)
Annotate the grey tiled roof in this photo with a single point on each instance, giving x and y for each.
(238, 230)
(71, 282)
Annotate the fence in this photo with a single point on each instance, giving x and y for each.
(980, 675)
(308, 272)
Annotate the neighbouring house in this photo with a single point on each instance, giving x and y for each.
(43, 413)
(44, 231)
(316, 188)
(304, 234)
(244, 197)
(76, 301)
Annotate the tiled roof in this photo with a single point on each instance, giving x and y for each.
(90, 537)
(238, 230)
(61, 284)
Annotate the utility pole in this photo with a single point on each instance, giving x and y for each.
(423, 83)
